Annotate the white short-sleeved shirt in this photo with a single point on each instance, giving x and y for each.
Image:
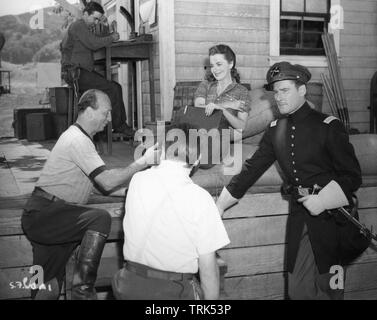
(69, 165)
(169, 220)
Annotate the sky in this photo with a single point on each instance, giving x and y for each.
(20, 6)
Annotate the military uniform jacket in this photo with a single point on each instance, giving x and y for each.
(311, 148)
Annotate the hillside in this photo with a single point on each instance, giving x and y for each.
(24, 44)
(24, 94)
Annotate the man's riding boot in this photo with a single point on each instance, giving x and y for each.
(87, 262)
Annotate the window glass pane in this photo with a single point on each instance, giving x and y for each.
(316, 6)
(313, 26)
(312, 40)
(312, 34)
(290, 33)
(292, 5)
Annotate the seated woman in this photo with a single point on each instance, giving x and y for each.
(222, 90)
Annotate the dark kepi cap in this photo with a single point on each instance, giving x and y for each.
(286, 71)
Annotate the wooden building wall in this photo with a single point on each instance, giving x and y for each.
(241, 24)
(244, 25)
(358, 51)
(145, 79)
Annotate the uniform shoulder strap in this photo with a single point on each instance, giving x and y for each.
(329, 119)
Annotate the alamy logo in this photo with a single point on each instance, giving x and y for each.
(36, 21)
(215, 146)
(337, 280)
(337, 17)
(36, 281)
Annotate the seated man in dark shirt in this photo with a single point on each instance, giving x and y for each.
(77, 49)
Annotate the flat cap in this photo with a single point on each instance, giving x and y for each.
(286, 71)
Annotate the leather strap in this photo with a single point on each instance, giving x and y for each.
(38, 192)
(148, 272)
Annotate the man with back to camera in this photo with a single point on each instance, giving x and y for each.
(172, 229)
(77, 48)
(322, 173)
(54, 219)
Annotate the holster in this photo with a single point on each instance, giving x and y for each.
(352, 209)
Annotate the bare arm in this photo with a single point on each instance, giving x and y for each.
(108, 180)
(209, 276)
(119, 193)
(200, 102)
(237, 122)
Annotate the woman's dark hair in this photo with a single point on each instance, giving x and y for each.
(229, 56)
(93, 6)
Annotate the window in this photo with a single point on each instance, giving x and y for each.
(301, 24)
(295, 31)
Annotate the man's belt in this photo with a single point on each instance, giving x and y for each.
(38, 192)
(148, 272)
(298, 192)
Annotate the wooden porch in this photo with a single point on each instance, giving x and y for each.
(256, 228)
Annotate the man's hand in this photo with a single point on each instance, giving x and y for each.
(115, 36)
(151, 156)
(313, 203)
(225, 200)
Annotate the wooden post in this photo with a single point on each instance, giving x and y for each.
(151, 85)
(109, 125)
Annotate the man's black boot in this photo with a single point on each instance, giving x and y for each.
(87, 262)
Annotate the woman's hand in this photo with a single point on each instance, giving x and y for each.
(211, 107)
(234, 104)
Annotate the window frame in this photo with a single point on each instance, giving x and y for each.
(300, 16)
(307, 60)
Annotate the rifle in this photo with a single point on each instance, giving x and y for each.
(363, 229)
